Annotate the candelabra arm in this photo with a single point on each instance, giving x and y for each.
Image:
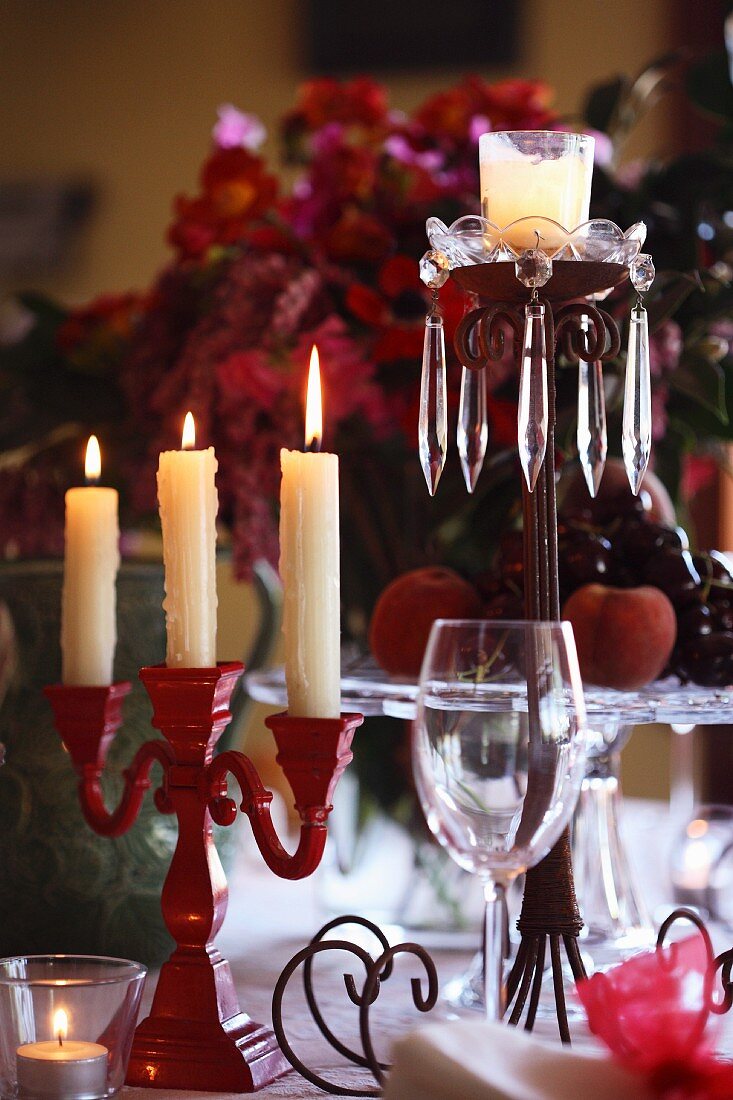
(87, 719)
(255, 804)
(137, 781)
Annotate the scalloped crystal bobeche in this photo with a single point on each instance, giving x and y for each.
(475, 240)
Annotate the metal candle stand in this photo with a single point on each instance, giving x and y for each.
(196, 1036)
(549, 908)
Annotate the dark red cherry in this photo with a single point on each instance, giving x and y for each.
(674, 573)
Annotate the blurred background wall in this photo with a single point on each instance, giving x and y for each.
(123, 94)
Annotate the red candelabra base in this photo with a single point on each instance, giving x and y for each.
(196, 1036)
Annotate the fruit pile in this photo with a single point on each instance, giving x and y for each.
(641, 604)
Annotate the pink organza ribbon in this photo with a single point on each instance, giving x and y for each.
(652, 1012)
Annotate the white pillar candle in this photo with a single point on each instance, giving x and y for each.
(188, 504)
(89, 599)
(535, 174)
(62, 1070)
(310, 570)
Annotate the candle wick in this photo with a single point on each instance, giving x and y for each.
(91, 480)
(61, 1039)
(314, 445)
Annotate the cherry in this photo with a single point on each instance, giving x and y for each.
(637, 542)
(505, 605)
(696, 621)
(717, 574)
(673, 572)
(584, 559)
(707, 660)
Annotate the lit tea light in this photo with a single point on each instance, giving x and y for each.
(62, 1069)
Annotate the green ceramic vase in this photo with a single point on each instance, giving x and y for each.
(62, 887)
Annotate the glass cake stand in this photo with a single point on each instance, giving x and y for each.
(616, 918)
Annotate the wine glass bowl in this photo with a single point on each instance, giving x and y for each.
(499, 745)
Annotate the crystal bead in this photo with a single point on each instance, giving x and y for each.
(592, 437)
(641, 272)
(433, 416)
(533, 268)
(532, 417)
(434, 269)
(636, 433)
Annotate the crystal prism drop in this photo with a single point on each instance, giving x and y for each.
(433, 420)
(532, 416)
(473, 428)
(592, 438)
(637, 418)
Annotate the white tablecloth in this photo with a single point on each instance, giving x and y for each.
(269, 920)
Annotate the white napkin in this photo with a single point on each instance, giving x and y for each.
(473, 1060)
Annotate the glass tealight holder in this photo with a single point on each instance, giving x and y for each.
(535, 174)
(66, 1025)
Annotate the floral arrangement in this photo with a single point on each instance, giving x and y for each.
(258, 274)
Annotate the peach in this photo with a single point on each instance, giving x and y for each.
(614, 496)
(624, 636)
(408, 607)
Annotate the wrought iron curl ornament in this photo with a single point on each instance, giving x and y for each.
(377, 970)
(480, 337)
(583, 331)
(722, 962)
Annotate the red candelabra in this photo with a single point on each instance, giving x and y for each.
(196, 1036)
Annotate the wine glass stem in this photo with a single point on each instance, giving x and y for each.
(495, 898)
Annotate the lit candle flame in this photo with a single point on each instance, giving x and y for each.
(60, 1025)
(188, 440)
(93, 460)
(314, 405)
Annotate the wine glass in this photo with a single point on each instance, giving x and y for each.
(499, 754)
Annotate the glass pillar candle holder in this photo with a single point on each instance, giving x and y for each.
(528, 174)
(66, 1025)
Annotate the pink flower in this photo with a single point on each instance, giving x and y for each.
(665, 347)
(349, 386)
(399, 147)
(248, 375)
(237, 129)
(479, 125)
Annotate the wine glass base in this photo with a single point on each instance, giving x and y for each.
(465, 992)
(605, 948)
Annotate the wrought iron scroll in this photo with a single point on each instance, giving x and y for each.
(377, 972)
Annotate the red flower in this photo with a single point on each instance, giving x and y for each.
(507, 105)
(357, 237)
(93, 338)
(366, 305)
(236, 191)
(358, 102)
